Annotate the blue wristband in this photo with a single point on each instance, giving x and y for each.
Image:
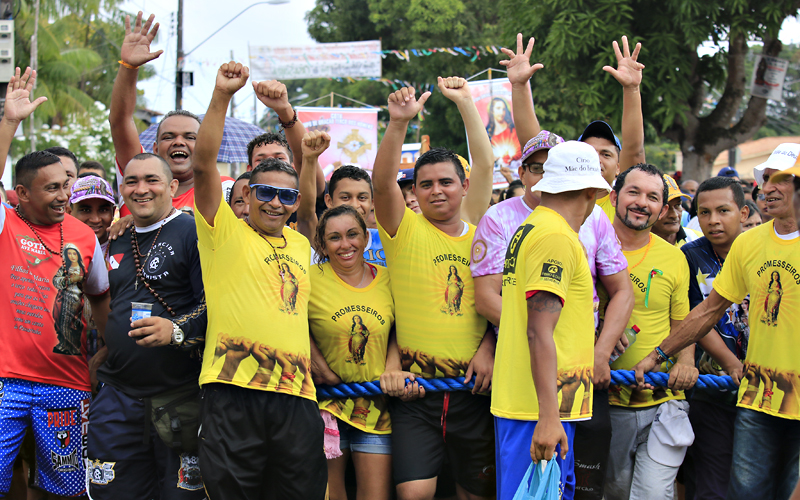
(666, 358)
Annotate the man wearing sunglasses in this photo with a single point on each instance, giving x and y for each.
(261, 429)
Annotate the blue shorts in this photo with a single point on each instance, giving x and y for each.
(59, 417)
(353, 439)
(513, 452)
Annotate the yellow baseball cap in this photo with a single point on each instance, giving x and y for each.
(674, 190)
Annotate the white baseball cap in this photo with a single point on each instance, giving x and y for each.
(571, 166)
(784, 156)
(670, 434)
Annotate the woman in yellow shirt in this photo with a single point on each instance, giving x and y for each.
(351, 318)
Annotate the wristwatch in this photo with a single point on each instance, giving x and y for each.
(177, 334)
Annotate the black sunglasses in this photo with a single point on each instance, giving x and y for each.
(265, 192)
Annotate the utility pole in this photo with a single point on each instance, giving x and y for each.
(34, 67)
(179, 60)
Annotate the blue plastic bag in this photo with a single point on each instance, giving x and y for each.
(540, 483)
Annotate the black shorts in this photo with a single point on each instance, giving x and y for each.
(592, 445)
(261, 445)
(122, 466)
(428, 429)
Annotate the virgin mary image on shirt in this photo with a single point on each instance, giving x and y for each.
(68, 304)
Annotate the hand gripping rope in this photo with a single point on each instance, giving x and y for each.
(618, 377)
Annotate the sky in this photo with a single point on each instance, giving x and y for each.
(275, 25)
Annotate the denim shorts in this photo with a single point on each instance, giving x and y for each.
(353, 439)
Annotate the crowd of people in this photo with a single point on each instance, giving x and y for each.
(167, 342)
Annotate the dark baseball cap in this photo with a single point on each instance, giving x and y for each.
(602, 130)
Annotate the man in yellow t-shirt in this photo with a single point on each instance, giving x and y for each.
(765, 263)
(639, 462)
(547, 324)
(439, 332)
(260, 425)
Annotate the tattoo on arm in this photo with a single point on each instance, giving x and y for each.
(545, 302)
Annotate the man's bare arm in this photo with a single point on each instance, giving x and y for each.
(389, 202)
(273, 94)
(618, 312)
(18, 106)
(488, 301)
(520, 72)
(475, 203)
(314, 144)
(544, 309)
(207, 186)
(629, 75)
(713, 344)
(101, 308)
(135, 53)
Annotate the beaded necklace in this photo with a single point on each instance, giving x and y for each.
(61, 231)
(274, 248)
(137, 254)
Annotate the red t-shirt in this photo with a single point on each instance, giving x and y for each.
(42, 328)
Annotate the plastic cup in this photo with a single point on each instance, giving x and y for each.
(140, 310)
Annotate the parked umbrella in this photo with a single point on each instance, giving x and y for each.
(235, 137)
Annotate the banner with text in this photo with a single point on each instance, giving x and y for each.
(768, 76)
(353, 131)
(324, 60)
(493, 99)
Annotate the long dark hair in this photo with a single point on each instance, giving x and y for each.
(507, 117)
(319, 237)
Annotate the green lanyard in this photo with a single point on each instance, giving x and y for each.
(653, 272)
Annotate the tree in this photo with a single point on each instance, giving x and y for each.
(78, 50)
(574, 42)
(415, 24)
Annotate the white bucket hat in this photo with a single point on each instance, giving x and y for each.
(784, 156)
(571, 166)
(670, 434)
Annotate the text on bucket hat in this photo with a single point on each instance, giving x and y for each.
(571, 166)
(782, 158)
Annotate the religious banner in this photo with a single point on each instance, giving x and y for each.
(493, 99)
(324, 60)
(353, 131)
(768, 76)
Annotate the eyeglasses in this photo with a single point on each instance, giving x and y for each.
(534, 168)
(265, 192)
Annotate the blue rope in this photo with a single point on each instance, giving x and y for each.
(618, 377)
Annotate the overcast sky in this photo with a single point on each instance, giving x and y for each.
(276, 25)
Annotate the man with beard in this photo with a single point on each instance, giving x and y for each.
(766, 443)
(155, 262)
(52, 265)
(660, 277)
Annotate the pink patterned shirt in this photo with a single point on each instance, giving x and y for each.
(498, 225)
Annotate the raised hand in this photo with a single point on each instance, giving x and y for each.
(272, 93)
(136, 45)
(519, 64)
(18, 97)
(629, 70)
(315, 143)
(231, 77)
(454, 88)
(404, 106)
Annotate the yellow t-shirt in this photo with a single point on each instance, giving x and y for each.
(545, 254)
(351, 327)
(438, 328)
(257, 335)
(768, 268)
(608, 208)
(667, 299)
